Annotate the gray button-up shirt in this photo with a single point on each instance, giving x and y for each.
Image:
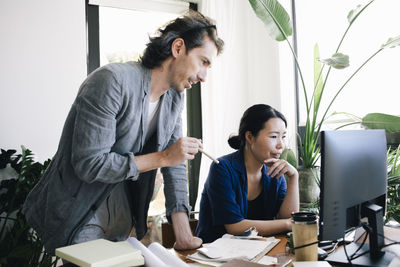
(104, 130)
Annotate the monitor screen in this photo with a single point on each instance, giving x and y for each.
(353, 183)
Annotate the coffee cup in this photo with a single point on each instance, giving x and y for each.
(305, 236)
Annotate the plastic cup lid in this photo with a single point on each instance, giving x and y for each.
(303, 216)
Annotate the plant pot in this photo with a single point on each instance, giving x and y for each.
(309, 184)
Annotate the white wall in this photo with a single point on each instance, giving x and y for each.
(246, 73)
(43, 62)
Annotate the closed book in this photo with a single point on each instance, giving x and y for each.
(101, 252)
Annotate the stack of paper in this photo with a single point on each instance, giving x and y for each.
(228, 248)
(101, 252)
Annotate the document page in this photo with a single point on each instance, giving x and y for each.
(233, 248)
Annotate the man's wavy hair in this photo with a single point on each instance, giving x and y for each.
(191, 27)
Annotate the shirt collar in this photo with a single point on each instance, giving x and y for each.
(238, 163)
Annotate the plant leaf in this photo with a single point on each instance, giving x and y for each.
(337, 61)
(275, 18)
(393, 159)
(392, 42)
(289, 156)
(382, 121)
(318, 80)
(354, 13)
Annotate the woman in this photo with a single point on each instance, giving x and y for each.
(247, 188)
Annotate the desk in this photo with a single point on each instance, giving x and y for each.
(392, 233)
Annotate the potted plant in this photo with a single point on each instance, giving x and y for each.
(279, 26)
(20, 245)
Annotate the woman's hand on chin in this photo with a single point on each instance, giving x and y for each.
(278, 167)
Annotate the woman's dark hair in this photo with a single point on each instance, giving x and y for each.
(192, 28)
(253, 120)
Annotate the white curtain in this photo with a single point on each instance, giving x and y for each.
(246, 73)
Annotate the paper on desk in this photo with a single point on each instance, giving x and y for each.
(210, 263)
(149, 258)
(156, 255)
(395, 250)
(311, 264)
(395, 262)
(166, 256)
(250, 237)
(268, 260)
(231, 248)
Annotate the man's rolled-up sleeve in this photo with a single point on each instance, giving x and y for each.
(175, 180)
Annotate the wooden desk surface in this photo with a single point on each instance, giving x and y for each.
(392, 233)
(280, 247)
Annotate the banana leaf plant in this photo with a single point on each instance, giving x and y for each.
(279, 26)
(390, 123)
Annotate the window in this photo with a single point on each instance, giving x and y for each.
(375, 87)
(124, 33)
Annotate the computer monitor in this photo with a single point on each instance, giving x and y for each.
(353, 187)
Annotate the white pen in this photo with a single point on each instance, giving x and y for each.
(208, 155)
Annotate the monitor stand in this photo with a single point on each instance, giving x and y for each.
(339, 257)
(373, 256)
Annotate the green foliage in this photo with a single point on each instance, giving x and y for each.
(276, 19)
(390, 123)
(19, 245)
(311, 207)
(393, 193)
(392, 42)
(337, 61)
(289, 156)
(382, 121)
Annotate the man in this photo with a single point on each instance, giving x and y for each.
(124, 124)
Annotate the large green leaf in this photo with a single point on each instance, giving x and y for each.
(318, 80)
(382, 121)
(337, 61)
(392, 42)
(354, 13)
(276, 19)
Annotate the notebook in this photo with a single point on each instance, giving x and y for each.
(101, 252)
